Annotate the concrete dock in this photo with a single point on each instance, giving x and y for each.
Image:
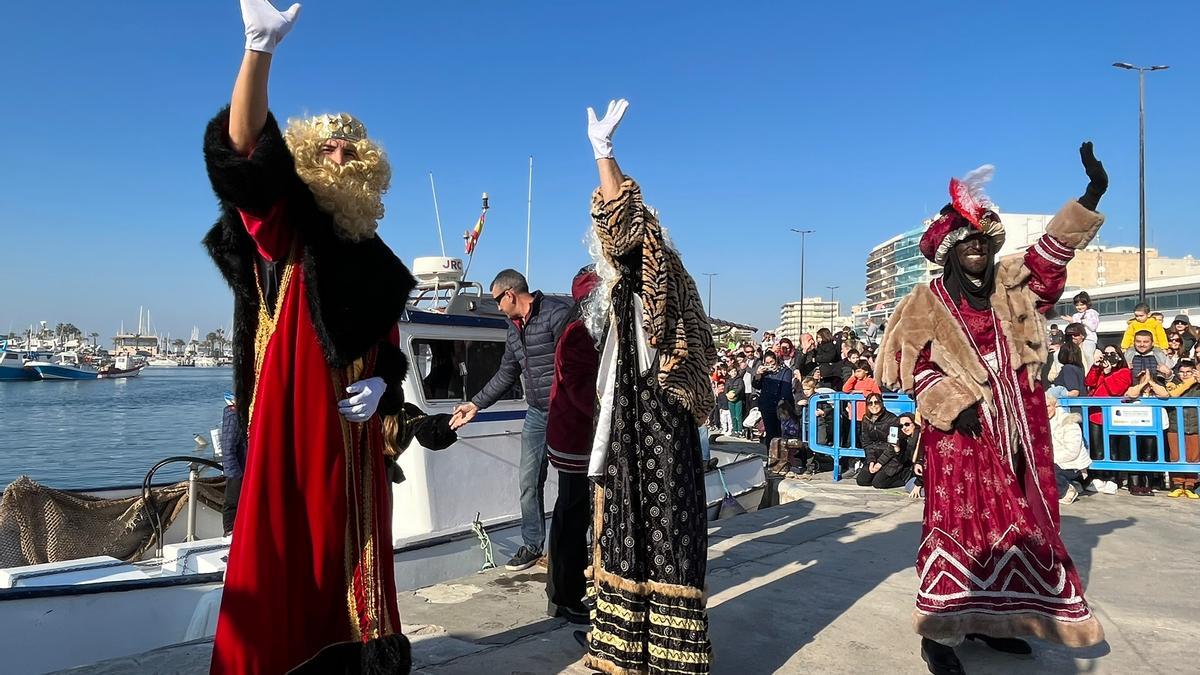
(822, 583)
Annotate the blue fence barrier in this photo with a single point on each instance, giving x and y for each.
(1133, 434)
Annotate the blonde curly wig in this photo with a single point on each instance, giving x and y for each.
(352, 192)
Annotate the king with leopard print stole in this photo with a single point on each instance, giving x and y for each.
(650, 537)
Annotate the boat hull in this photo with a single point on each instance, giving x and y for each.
(50, 371)
(116, 374)
(22, 374)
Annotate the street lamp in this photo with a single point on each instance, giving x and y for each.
(802, 233)
(710, 275)
(832, 302)
(1141, 70)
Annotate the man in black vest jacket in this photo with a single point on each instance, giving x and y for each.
(536, 323)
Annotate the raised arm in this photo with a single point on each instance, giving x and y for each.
(1072, 228)
(600, 132)
(265, 27)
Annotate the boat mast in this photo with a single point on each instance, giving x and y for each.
(437, 215)
(528, 217)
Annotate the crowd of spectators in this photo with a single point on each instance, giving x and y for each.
(1150, 361)
(770, 384)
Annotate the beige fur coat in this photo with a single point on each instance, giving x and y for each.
(921, 319)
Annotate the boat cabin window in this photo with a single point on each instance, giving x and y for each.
(456, 370)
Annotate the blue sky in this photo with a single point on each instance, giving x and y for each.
(746, 119)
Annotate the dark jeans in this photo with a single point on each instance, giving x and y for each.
(233, 491)
(532, 478)
(880, 479)
(565, 584)
(770, 421)
(1064, 477)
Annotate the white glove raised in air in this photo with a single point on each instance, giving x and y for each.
(265, 25)
(365, 400)
(600, 131)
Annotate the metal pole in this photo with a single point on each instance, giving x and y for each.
(833, 302)
(529, 217)
(802, 234)
(800, 330)
(437, 215)
(193, 475)
(1141, 185)
(710, 276)
(1141, 71)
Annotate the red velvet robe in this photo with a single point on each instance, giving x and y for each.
(311, 558)
(991, 558)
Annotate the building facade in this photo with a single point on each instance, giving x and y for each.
(818, 313)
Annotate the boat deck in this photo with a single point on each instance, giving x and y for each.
(822, 583)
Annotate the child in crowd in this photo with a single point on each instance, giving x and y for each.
(861, 382)
(735, 395)
(1142, 321)
(1070, 457)
(1089, 320)
(788, 442)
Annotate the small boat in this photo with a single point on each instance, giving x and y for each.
(64, 366)
(739, 476)
(161, 362)
(124, 366)
(13, 368)
(456, 509)
(205, 362)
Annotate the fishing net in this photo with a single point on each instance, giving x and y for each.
(39, 524)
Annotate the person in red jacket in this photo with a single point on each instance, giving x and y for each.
(569, 441)
(1109, 376)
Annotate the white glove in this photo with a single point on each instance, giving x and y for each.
(265, 25)
(600, 131)
(365, 401)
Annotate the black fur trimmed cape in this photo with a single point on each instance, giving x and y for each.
(356, 291)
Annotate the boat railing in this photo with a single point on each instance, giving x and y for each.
(150, 503)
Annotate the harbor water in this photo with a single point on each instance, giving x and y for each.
(99, 433)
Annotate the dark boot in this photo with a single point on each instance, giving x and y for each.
(941, 659)
(1006, 645)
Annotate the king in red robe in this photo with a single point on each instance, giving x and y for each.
(969, 346)
(318, 383)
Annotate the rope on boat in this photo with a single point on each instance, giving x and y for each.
(485, 543)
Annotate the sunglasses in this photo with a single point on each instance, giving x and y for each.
(874, 402)
(500, 297)
(906, 425)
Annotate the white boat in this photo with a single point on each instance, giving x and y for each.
(122, 367)
(13, 368)
(740, 476)
(64, 366)
(457, 509)
(204, 362)
(161, 362)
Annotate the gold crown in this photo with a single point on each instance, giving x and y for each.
(342, 126)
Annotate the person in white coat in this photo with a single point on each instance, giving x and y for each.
(1070, 457)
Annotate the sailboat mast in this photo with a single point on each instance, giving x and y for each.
(437, 215)
(529, 217)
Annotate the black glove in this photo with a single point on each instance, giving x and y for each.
(967, 423)
(1097, 177)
